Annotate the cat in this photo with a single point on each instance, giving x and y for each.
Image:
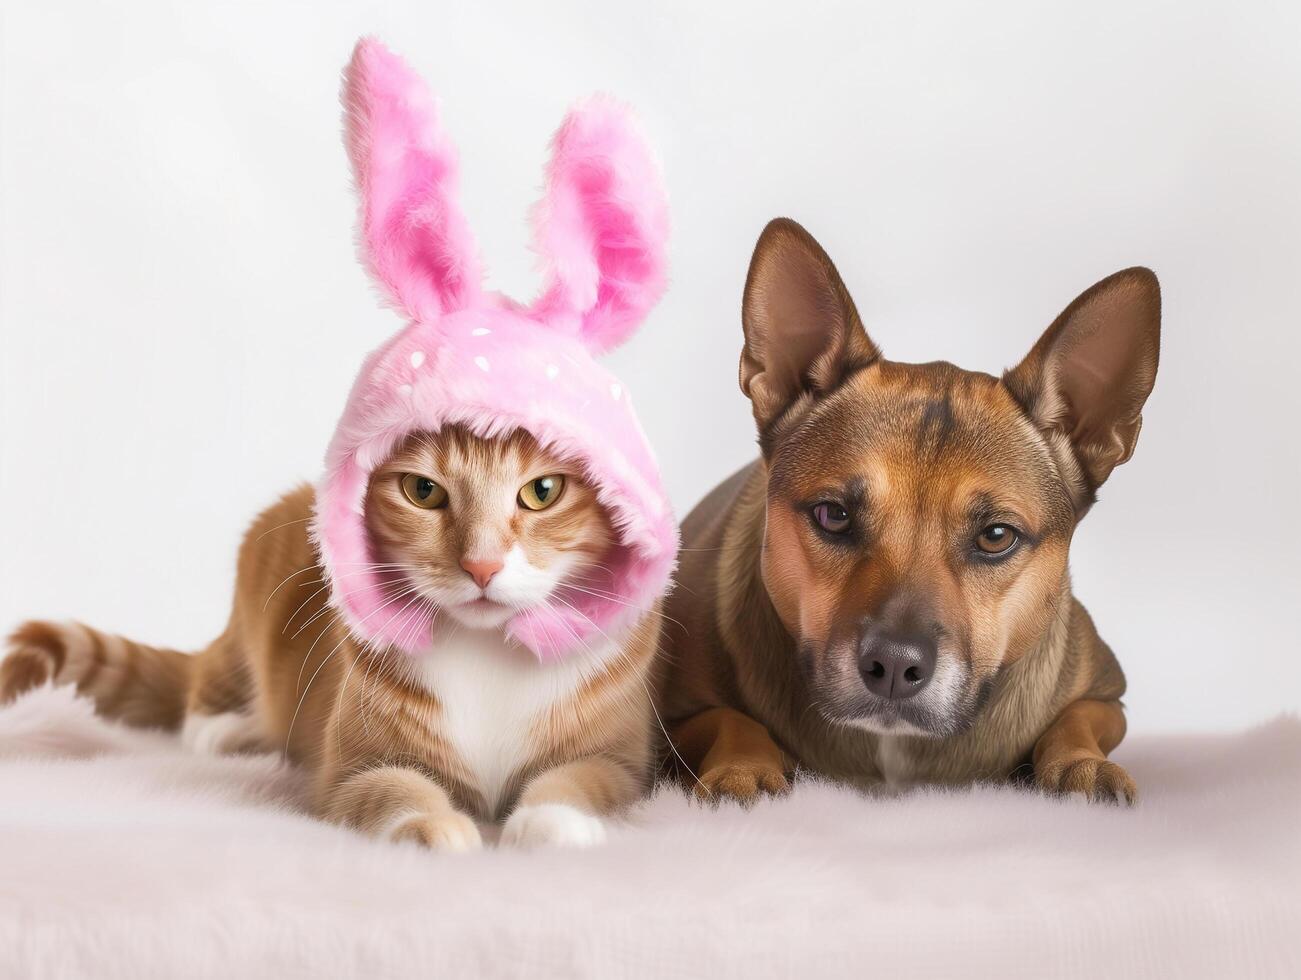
(456, 624)
(422, 748)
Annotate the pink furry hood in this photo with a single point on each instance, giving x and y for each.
(478, 359)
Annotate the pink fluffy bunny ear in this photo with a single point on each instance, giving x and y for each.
(602, 227)
(412, 236)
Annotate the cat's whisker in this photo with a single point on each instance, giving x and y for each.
(301, 520)
(300, 571)
(285, 628)
(426, 606)
(572, 705)
(650, 700)
(343, 689)
(338, 646)
(547, 624)
(298, 684)
(325, 583)
(305, 568)
(325, 629)
(599, 594)
(373, 656)
(611, 597)
(592, 564)
(326, 607)
(371, 564)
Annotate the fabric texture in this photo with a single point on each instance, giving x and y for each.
(124, 856)
(481, 360)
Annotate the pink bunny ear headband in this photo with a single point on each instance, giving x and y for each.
(480, 360)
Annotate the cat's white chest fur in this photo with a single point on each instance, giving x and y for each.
(493, 696)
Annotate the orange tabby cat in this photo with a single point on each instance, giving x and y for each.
(402, 747)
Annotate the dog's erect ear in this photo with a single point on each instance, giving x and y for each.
(411, 233)
(1087, 378)
(802, 333)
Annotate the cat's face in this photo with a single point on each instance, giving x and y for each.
(482, 528)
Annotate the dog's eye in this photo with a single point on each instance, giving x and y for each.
(997, 539)
(831, 517)
(423, 492)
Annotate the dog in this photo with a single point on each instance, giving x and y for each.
(883, 597)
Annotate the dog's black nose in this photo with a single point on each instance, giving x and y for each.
(896, 666)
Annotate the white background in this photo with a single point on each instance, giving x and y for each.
(181, 312)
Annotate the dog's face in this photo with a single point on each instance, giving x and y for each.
(919, 516)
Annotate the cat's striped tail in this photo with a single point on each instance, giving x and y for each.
(137, 684)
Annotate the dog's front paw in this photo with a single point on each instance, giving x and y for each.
(552, 825)
(741, 781)
(1099, 780)
(450, 832)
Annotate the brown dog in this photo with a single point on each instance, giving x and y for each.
(884, 595)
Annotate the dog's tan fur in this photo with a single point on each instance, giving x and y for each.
(762, 675)
(370, 733)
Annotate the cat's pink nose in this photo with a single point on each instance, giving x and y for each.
(482, 569)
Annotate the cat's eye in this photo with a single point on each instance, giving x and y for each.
(831, 517)
(997, 540)
(423, 492)
(541, 493)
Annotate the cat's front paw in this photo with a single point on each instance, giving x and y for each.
(450, 832)
(552, 825)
